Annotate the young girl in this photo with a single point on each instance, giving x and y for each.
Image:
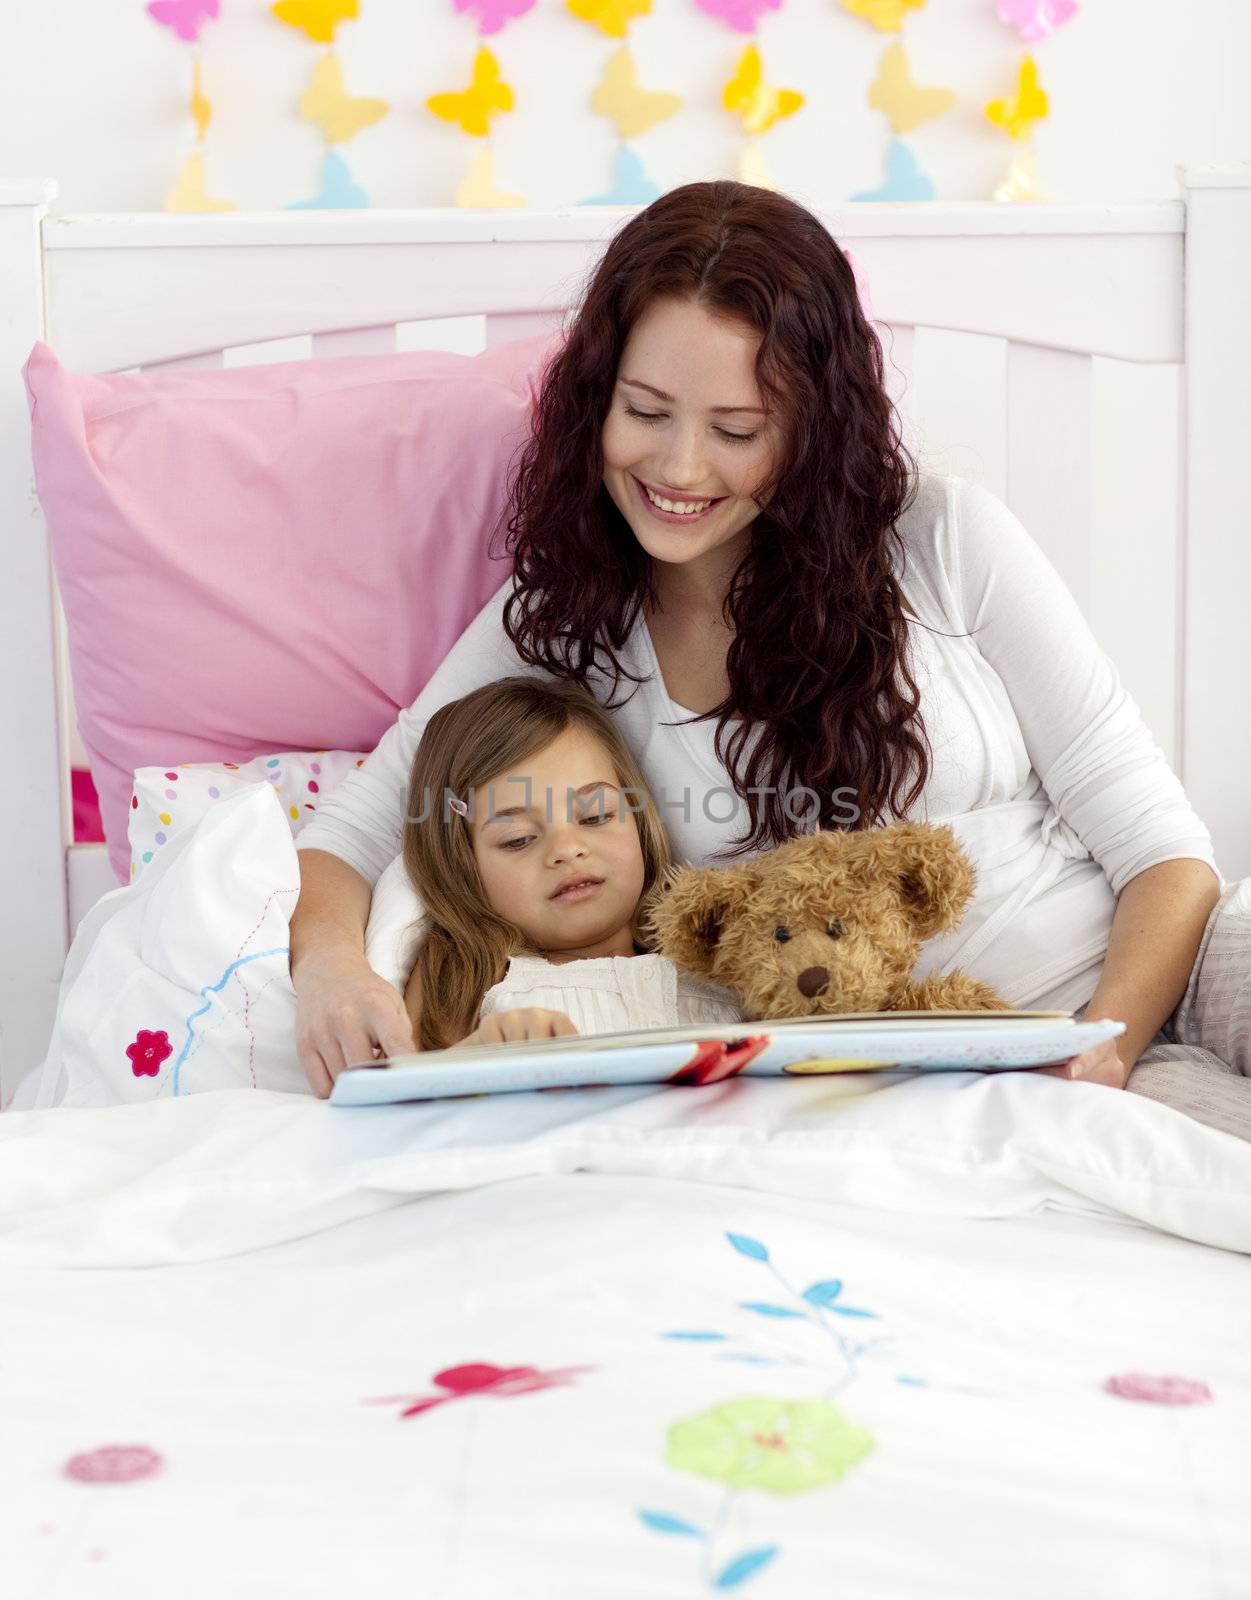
(534, 848)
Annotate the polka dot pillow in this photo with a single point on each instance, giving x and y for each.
(167, 800)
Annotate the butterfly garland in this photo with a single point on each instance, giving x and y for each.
(1035, 19)
(905, 103)
(185, 19)
(748, 94)
(620, 98)
(473, 108)
(887, 16)
(612, 17)
(1019, 113)
(744, 15)
(326, 103)
(493, 14)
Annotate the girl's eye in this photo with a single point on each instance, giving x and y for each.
(512, 844)
(599, 816)
(658, 416)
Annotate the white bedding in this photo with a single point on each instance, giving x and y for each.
(1016, 1241)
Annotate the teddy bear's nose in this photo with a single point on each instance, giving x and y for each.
(812, 980)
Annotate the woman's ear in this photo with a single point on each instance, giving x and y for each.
(685, 919)
(932, 875)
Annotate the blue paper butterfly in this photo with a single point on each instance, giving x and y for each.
(904, 178)
(339, 191)
(631, 186)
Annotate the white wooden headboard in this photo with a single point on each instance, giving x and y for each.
(1020, 334)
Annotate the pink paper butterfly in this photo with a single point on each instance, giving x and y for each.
(741, 14)
(1035, 19)
(493, 14)
(185, 17)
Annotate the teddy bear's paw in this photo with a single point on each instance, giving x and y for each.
(954, 991)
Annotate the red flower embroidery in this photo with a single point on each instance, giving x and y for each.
(148, 1051)
(114, 1463)
(1161, 1389)
(480, 1377)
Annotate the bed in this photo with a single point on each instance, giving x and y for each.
(970, 1336)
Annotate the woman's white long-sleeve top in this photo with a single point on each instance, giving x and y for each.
(1041, 761)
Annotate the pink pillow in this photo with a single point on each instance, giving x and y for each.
(273, 557)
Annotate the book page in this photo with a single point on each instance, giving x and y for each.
(851, 1023)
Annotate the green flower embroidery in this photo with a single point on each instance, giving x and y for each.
(785, 1446)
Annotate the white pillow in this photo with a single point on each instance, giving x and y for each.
(396, 927)
(167, 800)
(180, 981)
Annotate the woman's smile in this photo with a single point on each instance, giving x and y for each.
(675, 516)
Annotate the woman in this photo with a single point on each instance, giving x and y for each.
(716, 529)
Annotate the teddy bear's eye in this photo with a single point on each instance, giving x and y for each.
(781, 934)
(834, 929)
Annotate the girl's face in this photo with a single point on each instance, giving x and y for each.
(682, 442)
(531, 839)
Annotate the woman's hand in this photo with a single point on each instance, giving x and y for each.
(1099, 1064)
(532, 1022)
(344, 1013)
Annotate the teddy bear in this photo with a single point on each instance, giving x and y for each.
(825, 923)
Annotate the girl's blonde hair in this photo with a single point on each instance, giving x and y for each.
(465, 745)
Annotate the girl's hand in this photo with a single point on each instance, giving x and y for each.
(344, 1012)
(1099, 1064)
(505, 1027)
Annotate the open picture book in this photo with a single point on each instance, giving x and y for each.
(865, 1041)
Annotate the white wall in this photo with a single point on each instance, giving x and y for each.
(94, 95)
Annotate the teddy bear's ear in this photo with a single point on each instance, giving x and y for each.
(935, 878)
(686, 916)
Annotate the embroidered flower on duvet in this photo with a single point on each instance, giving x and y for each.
(482, 1378)
(1161, 1389)
(148, 1051)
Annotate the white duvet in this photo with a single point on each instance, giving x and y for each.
(954, 1337)
(957, 1336)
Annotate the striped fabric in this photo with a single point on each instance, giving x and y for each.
(1200, 1060)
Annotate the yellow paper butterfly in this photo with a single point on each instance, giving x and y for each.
(336, 112)
(1019, 112)
(631, 110)
(479, 189)
(612, 17)
(188, 193)
(473, 108)
(752, 169)
(757, 104)
(317, 18)
(1020, 182)
(201, 109)
(904, 102)
(885, 15)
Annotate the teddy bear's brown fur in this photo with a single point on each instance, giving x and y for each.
(852, 907)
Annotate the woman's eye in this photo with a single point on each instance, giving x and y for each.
(658, 416)
(834, 929)
(781, 934)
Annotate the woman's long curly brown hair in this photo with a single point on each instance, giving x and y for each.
(815, 608)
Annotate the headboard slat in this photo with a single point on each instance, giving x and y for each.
(1048, 457)
(356, 342)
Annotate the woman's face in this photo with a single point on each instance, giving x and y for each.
(530, 837)
(681, 442)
